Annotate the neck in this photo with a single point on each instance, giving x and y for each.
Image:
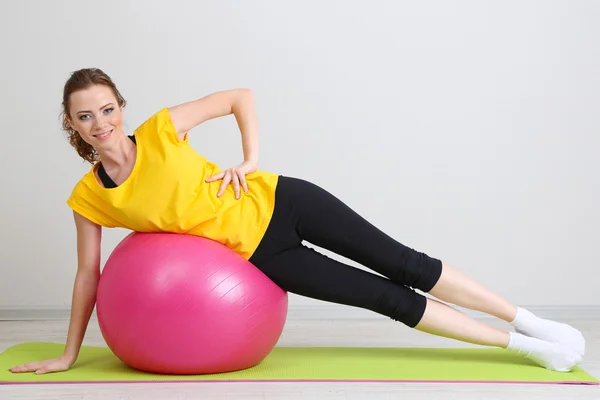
(119, 155)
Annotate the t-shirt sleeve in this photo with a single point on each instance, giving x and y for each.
(82, 202)
(160, 127)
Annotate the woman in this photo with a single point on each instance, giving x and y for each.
(154, 181)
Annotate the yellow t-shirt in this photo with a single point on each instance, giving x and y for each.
(166, 192)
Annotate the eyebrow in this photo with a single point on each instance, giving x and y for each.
(86, 111)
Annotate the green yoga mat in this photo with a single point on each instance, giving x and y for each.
(304, 364)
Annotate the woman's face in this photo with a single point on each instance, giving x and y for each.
(96, 115)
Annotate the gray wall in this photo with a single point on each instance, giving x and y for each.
(465, 129)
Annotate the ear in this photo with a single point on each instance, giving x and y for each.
(70, 122)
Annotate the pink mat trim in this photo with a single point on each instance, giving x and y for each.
(307, 381)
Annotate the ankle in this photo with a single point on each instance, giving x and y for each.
(511, 313)
(504, 340)
(521, 317)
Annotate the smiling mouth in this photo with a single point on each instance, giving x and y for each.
(103, 135)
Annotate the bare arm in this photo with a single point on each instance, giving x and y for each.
(239, 102)
(84, 298)
(86, 283)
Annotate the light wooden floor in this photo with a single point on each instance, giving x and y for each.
(378, 332)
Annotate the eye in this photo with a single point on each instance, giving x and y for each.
(110, 109)
(82, 117)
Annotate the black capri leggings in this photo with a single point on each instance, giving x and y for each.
(306, 212)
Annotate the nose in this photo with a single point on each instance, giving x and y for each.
(99, 123)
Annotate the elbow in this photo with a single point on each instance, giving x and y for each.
(244, 94)
(244, 98)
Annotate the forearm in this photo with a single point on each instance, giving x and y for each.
(84, 299)
(244, 110)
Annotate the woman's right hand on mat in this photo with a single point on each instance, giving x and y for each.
(58, 364)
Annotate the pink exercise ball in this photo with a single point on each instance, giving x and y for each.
(180, 304)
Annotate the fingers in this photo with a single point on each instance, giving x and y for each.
(216, 177)
(242, 178)
(37, 367)
(236, 184)
(26, 367)
(235, 177)
(226, 180)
